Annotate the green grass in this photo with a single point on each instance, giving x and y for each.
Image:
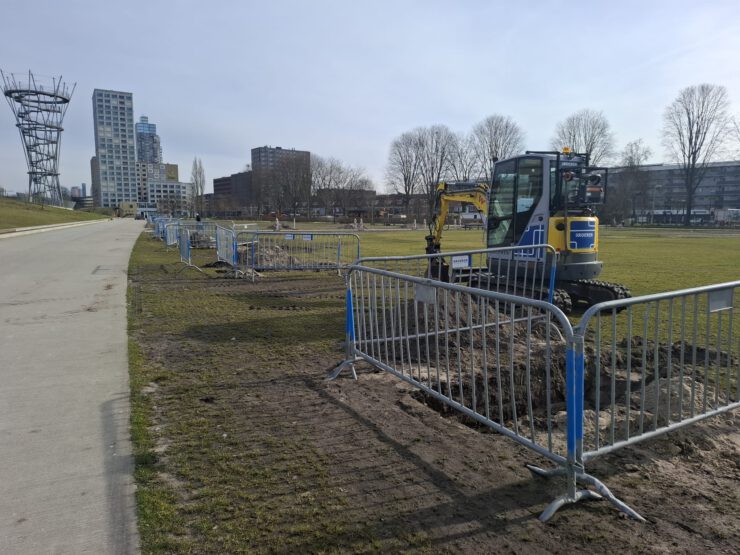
(646, 261)
(15, 214)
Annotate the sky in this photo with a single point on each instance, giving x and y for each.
(343, 78)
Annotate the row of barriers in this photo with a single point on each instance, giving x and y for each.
(477, 331)
(631, 370)
(260, 251)
(251, 251)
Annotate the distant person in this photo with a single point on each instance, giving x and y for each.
(197, 217)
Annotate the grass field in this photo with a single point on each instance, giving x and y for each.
(241, 447)
(15, 214)
(647, 260)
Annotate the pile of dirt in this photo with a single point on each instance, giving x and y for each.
(516, 370)
(449, 351)
(200, 240)
(268, 256)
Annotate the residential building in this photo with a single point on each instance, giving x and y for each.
(75, 192)
(235, 192)
(157, 182)
(95, 184)
(148, 147)
(114, 168)
(661, 197)
(276, 168)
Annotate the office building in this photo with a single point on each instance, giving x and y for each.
(84, 189)
(114, 164)
(75, 192)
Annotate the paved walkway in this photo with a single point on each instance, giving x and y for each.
(66, 482)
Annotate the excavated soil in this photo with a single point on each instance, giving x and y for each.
(410, 477)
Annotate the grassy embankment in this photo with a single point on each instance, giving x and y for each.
(14, 214)
(226, 414)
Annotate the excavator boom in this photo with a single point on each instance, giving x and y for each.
(446, 194)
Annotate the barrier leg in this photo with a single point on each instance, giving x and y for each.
(573, 469)
(349, 336)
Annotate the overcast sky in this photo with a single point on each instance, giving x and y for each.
(343, 78)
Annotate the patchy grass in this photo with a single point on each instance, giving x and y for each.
(241, 447)
(15, 214)
(224, 459)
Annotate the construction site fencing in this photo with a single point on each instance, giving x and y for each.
(183, 244)
(171, 231)
(245, 227)
(527, 272)
(202, 234)
(159, 227)
(226, 250)
(516, 364)
(260, 251)
(656, 363)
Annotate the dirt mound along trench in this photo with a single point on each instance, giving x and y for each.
(504, 368)
(504, 372)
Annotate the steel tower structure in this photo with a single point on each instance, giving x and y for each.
(39, 106)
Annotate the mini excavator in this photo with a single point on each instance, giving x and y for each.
(535, 198)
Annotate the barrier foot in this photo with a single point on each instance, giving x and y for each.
(608, 495)
(338, 370)
(602, 492)
(193, 266)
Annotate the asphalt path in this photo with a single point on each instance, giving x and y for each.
(66, 471)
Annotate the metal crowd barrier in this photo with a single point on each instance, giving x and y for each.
(202, 234)
(511, 363)
(183, 243)
(184, 246)
(527, 272)
(658, 362)
(159, 226)
(226, 248)
(246, 227)
(295, 250)
(171, 231)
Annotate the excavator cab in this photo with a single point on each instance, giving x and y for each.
(552, 197)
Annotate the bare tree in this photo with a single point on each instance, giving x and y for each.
(695, 126)
(404, 160)
(585, 131)
(496, 137)
(198, 178)
(293, 175)
(327, 176)
(633, 183)
(464, 162)
(435, 148)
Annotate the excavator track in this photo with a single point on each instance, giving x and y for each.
(593, 291)
(562, 300)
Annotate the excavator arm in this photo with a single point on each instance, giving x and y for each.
(447, 193)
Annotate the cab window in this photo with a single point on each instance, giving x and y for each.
(501, 205)
(528, 191)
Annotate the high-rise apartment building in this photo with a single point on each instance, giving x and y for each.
(275, 167)
(158, 183)
(148, 146)
(115, 148)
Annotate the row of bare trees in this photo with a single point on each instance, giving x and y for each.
(422, 157)
(697, 126)
(337, 186)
